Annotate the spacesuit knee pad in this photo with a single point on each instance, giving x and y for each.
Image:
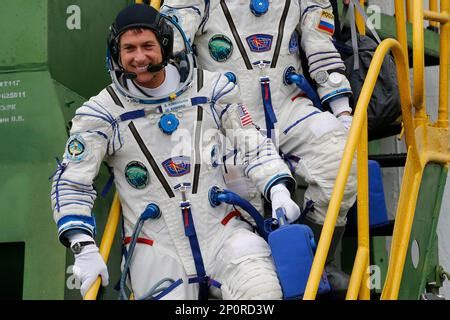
(320, 168)
(247, 270)
(252, 279)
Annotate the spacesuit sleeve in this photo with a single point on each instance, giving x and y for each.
(317, 29)
(189, 14)
(73, 194)
(259, 156)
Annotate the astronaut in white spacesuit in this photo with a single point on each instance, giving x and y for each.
(159, 126)
(259, 41)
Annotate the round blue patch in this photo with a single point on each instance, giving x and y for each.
(220, 47)
(76, 149)
(136, 174)
(293, 43)
(214, 156)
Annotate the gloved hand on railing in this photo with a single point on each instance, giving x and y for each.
(281, 197)
(89, 264)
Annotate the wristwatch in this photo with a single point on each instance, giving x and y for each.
(76, 247)
(334, 79)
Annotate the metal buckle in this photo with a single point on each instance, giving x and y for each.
(183, 187)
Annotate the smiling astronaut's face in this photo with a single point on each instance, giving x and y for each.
(138, 49)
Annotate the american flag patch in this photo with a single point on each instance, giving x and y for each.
(326, 23)
(246, 119)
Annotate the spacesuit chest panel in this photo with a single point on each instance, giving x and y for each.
(154, 160)
(234, 35)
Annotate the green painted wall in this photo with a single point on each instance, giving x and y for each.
(47, 70)
(31, 132)
(24, 32)
(77, 32)
(420, 264)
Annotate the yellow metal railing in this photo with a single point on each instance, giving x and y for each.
(113, 219)
(359, 19)
(425, 142)
(433, 5)
(107, 242)
(431, 143)
(358, 131)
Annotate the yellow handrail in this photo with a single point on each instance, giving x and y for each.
(359, 118)
(107, 242)
(433, 5)
(444, 67)
(113, 219)
(359, 19)
(409, 11)
(400, 19)
(362, 153)
(418, 62)
(435, 16)
(432, 145)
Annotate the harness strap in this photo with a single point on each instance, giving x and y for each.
(269, 114)
(127, 240)
(228, 217)
(300, 95)
(189, 231)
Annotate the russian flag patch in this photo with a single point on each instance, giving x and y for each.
(326, 23)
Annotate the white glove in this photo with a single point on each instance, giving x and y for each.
(346, 120)
(89, 264)
(281, 197)
(342, 110)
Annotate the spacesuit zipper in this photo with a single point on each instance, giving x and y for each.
(151, 160)
(197, 166)
(280, 34)
(199, 79)
(235, 33)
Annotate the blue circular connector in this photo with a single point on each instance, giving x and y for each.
(231, 76)
(151, 212)
(288, 72)
(213, 196)
(259, 7)
(168, 123)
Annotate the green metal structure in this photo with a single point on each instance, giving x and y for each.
(52, 59)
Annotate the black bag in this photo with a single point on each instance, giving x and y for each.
(384, 109)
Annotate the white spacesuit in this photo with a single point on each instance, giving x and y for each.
(259, 48)
(259, 40)
(164, 154)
